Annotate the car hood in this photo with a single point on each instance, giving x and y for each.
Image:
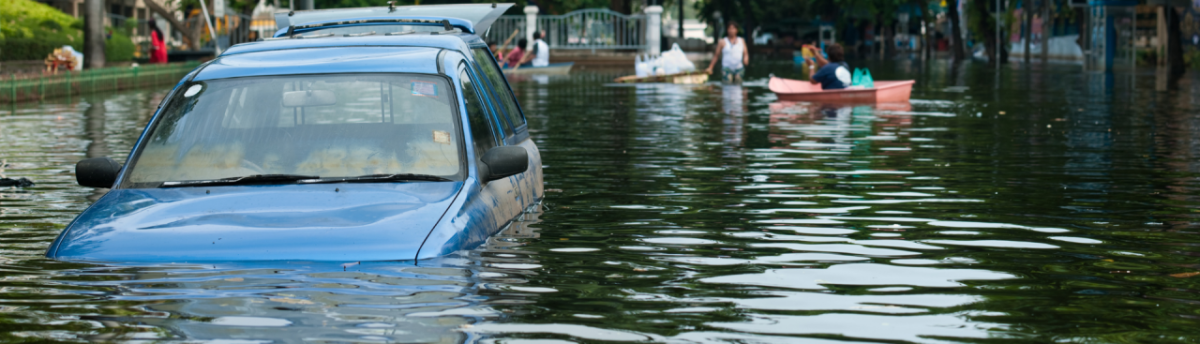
(322, 222)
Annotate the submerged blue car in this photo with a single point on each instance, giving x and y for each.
(399, 140)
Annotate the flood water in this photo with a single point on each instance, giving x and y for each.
(1044, 205)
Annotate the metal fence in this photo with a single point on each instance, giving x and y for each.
(503, 27)
(583, 29)
(66, 84)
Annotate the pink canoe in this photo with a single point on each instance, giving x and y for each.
(803, 90)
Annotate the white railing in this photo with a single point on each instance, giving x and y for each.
(583, 29)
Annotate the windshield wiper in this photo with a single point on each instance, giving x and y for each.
(383, 177)
(243, 180)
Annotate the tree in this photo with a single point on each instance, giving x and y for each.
(753, 13)
(1174, 48)
(93, 33)
(957, 49)
(191, 36)
(983, 25)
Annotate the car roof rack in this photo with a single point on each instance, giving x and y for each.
(473, 18)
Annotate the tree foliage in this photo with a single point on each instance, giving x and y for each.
(33, 30)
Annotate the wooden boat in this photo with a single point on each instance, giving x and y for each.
(561, 68)
(692, 77)
(803, 90)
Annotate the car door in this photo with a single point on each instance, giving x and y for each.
(527, 187)
(485, 205)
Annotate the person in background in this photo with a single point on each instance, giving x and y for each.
(539, 52)
(732, 53)
(832, 74)
(516, 54)
(498, 49)
(158, 43)
(495, 48)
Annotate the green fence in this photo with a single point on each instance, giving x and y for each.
(65, 84)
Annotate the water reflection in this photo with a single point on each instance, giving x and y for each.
(703, 214)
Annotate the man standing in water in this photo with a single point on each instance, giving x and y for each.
(733, 54)
(539, 51)
(832, 74)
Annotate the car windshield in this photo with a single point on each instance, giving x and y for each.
(324, 125)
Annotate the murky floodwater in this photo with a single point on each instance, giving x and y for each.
(1061, 206)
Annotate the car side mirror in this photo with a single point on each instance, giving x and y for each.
(501, 162)
(97, 172)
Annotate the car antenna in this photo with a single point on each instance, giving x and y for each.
(493, 4)
(391, 6)
(446, 24)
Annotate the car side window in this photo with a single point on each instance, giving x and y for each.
(481, 131)
(503, 93)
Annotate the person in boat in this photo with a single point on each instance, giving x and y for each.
(499, 54)
(732, 53)
(516, 54)
(832, 74)
(539, 52)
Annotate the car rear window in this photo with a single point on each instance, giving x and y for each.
(320, 125)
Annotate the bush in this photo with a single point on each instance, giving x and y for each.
(118, 48)
(1192, 59)
(16, 49)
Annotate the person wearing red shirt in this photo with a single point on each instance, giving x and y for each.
(158, 44)
(516, 54)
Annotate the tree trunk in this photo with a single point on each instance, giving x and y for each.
(619, 6)
(987, 28)
(1004, 27)
(877, 29)
(1047, 27)
(957, 48)
(93, 33)
(191, 36)
(926, 18)
(1084, 40)
(1174, 49)
(889, 41)
(1027, 27)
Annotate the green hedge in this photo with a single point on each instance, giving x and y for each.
(118, 48)
(16, 49)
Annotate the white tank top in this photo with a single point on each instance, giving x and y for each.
(542, 58)
(731, 55)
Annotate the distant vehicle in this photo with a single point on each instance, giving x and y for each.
(323, 145)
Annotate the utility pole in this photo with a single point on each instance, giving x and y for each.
(93, 33)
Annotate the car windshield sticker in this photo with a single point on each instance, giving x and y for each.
(441, 137)
(424, 89)
(191, 91)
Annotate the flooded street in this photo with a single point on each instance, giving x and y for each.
(1044, 205)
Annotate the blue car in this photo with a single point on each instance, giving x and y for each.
(398, 139)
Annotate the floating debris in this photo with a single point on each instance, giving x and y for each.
(20, 182)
